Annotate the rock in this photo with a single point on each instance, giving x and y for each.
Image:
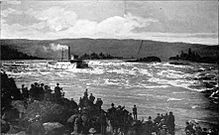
(146, 59)
(54, 128)
(49, 111)
(72, 118)
(21, 133)
(14, 129)
(11, 115)
(150, 59)
(5, 127)
(19, 105)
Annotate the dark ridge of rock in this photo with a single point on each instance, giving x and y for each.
(9, 92)
(146, 59)
(5, 127)
(179, 63)
(49, 111)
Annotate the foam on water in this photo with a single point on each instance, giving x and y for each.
(153, 87)
(174, 99)
(195, 106)
(163, 74)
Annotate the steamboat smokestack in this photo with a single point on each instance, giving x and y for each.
(69, 56)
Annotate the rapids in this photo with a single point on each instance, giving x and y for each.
(153, 87)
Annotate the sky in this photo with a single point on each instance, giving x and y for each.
(170, 21)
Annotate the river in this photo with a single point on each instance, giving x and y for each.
(153, 87)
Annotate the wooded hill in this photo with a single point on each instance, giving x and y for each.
(119, 48)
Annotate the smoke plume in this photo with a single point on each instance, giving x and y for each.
(55, 47)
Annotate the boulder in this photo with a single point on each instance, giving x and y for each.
(72, 118)
(11, 115)
(5, 127)
(48, 111)
(19, 105)
(54, 128)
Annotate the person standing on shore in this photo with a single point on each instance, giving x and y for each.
(25, 92)
(91, 98)
(135, 112)
(171, 123)
(58, 93)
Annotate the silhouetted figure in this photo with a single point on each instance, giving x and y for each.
(32, 91)
(171, 123)
(99, 103)
(135, 112)
(149, 126)
(91, 98)
(80, 102)
(58, 93)
(157, 119)
(111, 113)
(85, 96)
(166, 118)
(41, 91)
(73, 103)
(24, 91)
(48, 93)
(103, 122)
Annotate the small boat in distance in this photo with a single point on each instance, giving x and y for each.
(72, 62)
(79, 63)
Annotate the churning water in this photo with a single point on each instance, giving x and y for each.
(153, 87)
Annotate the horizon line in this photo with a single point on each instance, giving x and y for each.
(110, 39)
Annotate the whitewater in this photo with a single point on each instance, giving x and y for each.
(153, 87)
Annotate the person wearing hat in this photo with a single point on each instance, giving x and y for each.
(58, 93)
(47, 95)
(24, 91)
(41, 91)
(32, 91)
(157, 119)
(91, 98)
(149, 125)
(171, 123)
(111, 114)
(86, 94)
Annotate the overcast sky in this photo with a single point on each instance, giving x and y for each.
(172, 21)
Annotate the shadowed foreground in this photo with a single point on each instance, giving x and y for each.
(40, 110)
